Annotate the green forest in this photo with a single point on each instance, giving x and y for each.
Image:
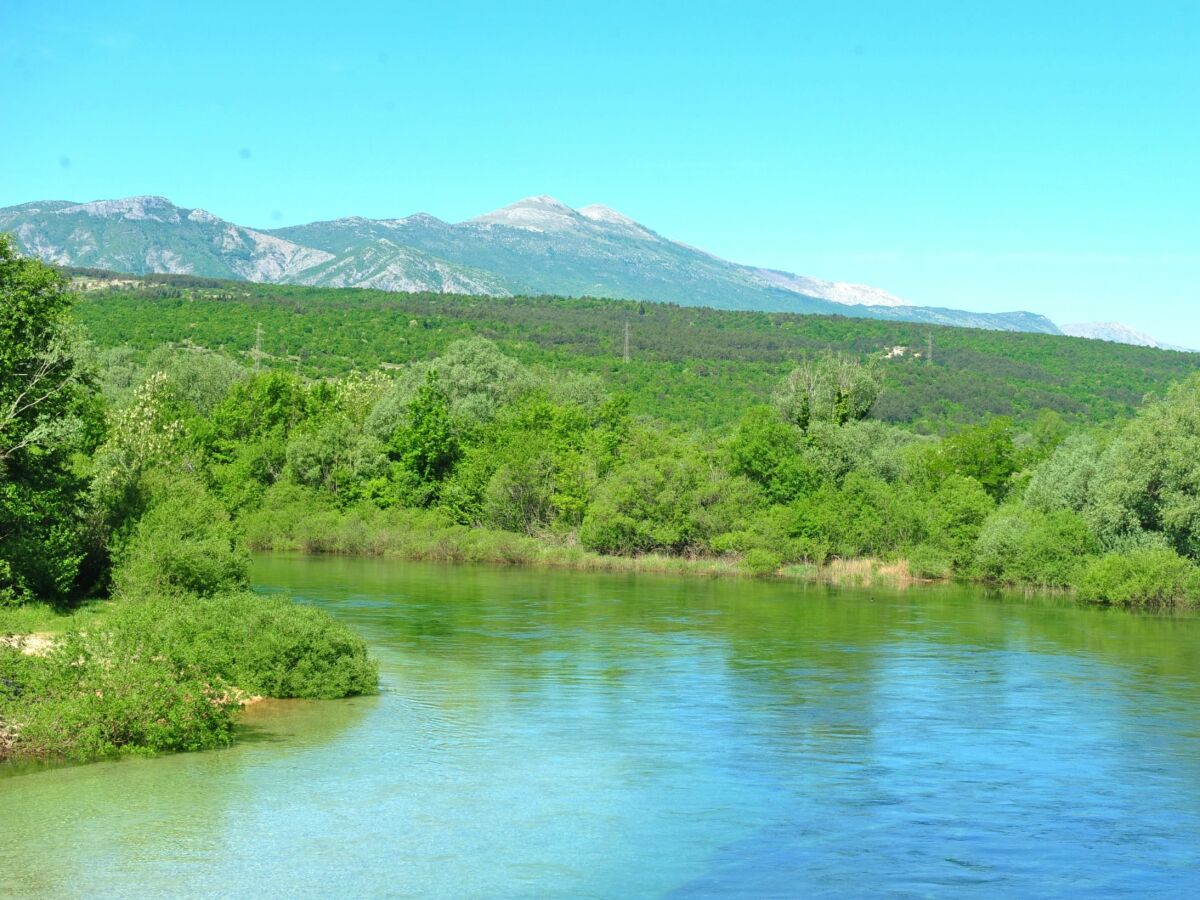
(150, 434)
(690, 366)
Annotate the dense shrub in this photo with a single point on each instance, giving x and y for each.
(927, 561)
(677, 504)
(1147, 577)
(870, 447)
(866, 516)
(956, 515)
(262, 645)
(985, 452)
(767, 450)
(88, 698)
(164, 674)
(761, 562)
(1065, 479)
(1148, 478)
(186, 543)
(1018, 545)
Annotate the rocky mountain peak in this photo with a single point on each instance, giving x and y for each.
(598, 212)
(158, 209)
(540, 213)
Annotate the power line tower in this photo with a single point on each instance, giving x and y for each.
(929, 344)
(257, 354)
(626, 340)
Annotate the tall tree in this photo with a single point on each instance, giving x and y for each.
(831, 387)
(42, 398)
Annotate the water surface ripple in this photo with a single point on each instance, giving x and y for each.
(548, 734)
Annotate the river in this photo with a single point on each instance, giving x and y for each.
(547, 734)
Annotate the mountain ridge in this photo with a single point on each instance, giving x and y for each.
(537, 245)
(1117, 333)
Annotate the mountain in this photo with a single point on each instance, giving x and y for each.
(1117, 333)
(150, 234)
(538, 245)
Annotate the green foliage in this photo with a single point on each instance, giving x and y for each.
(831, 387)
(870, 447)
(44, 402)
(158, 674)
(864, 516)
(677, 503)
(185, 544)
(424, 447)
(91, 698)
(335, 454)
(1065, 479)
(474, 376)
(1018, 545)
(1148, 479)
(956, 515)
(985, 452)
(1146, 577)
(761, 562)
(259, 645)
(929, 562)
(767, 451)
(689, 365)
(41, 540)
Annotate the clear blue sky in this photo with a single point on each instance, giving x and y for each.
(1041, 155)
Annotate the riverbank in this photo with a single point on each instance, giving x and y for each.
(430, 536)
(1140, 578)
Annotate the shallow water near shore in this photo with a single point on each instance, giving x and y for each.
(560, 734)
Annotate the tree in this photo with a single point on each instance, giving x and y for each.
(985, 452)
(828, 388)
(185, 544)
(767, 451)
(38, 375)
(44, 400)
(425, 447)
(1148, 479)
(475, 377)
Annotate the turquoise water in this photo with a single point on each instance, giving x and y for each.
(550, 734)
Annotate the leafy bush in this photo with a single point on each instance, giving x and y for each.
(866, 516)
(761, 562)
(767, 451)
(88, 699)
(985, 452)
(926, 561)
(1065, 479)
(186, 543)
(677, 504)
(1148, 478)
(262, 645)
(1023, 546)
(956, 514)
(160, 675)
(1149, 577)
(41, 548)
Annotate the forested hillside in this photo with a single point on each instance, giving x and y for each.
(689, 365)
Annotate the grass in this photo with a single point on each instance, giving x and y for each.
(40, 618)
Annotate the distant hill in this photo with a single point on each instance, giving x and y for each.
(535, 246)
(686, 364)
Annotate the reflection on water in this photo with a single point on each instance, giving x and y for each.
(549, 734)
